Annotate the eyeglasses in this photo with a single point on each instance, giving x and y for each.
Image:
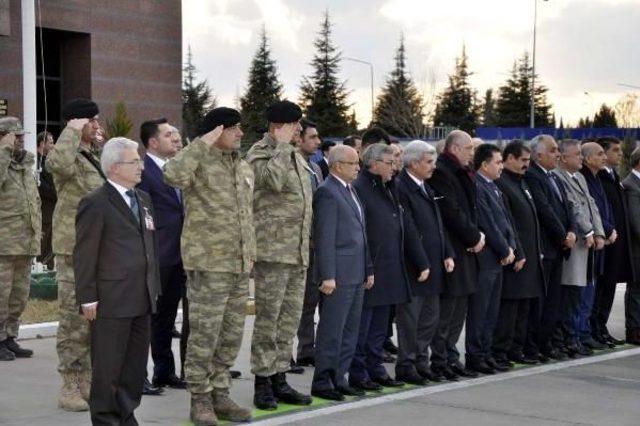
(138, 162)
(387, 162)
(351, 163)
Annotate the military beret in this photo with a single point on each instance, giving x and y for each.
(283, 112)
(227, 117)
(11, 124)
(79, 108)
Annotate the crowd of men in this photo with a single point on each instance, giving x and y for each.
(524, 245)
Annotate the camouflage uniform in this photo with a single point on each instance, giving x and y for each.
(282, 217)
(20, 232)
(218, 249)
(74, 177)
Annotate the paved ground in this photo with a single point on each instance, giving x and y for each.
(602, 390)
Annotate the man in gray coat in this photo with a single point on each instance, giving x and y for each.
(631, 186)
(575, 269)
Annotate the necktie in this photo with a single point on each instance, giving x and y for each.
(554, 184)
(423, 189)
(133, 206)
(355, 199)
(178, 194)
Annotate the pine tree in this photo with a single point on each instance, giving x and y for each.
(323, 97)
(513, 107)
(120, 124)
(489, 109)
(263, 89)
(197, 99)
(605, 117)
(458, 105)
(400, 106)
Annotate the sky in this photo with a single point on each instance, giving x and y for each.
(586, 50)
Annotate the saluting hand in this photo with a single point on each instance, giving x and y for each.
(77, 123)
(211, 137)
(284, 133)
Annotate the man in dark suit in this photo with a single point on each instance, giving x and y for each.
(500, 251)
(632, 295)
(618, 267)
(454, 184)
(325, 147)
(386, 237)
(522, 282)
(48, 197)
(117, 282)
(307, 143)
(343, 269)
(156, 136)
(427, 266)
(555, 218)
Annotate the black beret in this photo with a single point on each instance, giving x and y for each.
(79, 108)
(283, 112)
(227, 117)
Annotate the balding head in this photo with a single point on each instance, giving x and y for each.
(594, 156)
(459, 144)
(344, 162)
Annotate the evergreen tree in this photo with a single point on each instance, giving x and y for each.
(457, 104)
(584, 123)
(263, 89)
(120, 124)
(323, 97)
(605, 117)
(513, 106)
(400, 106)
(197, 99)
(489, 109)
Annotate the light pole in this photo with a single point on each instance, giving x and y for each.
(533, 65)
(360, 61)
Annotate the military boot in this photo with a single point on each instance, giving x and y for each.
(70, 398)
(17, 350)
(285, 393)
(5, 353)
(84, 384)
(202, 413)
(263, 395)
(227, 409)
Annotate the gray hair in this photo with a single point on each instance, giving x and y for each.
(338, 153)
(565, 144)
(415, 150)
(536, 144)
(456, 137)
(635, 158)
(374, 152)
(112, 152)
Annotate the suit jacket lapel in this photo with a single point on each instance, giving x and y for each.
(116, 199)
(345, 193)
(157, 174)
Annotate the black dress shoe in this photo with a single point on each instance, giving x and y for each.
(330, 394)
(542, 358)
(387, 358)
(175, 333)
(460, 370)
(388, 382)
(600, 338)
(366, 385)
(390, 347)
(445, 372)
(235, 374)
(613, 340)
(349, 391)
(171, 381)
(480, 367)
(412, 378)
(556, 354)
(431, 375)
(592, 343)
(149, 389)
(633, 337)
(500, 366)
(294, 369)
(521, 358)
(307, 361)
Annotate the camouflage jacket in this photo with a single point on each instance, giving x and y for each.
(74, 177)
(281, 203)
(217, 189)
(20, 215)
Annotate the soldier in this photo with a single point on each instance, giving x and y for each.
(218, 250)
(76, 171)
(282, 212)
(20, 229)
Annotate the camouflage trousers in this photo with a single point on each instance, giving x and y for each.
(279, 297)
(14, 292)
(217, 310)
(74, 339)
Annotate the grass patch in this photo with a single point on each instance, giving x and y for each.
(40, 311)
